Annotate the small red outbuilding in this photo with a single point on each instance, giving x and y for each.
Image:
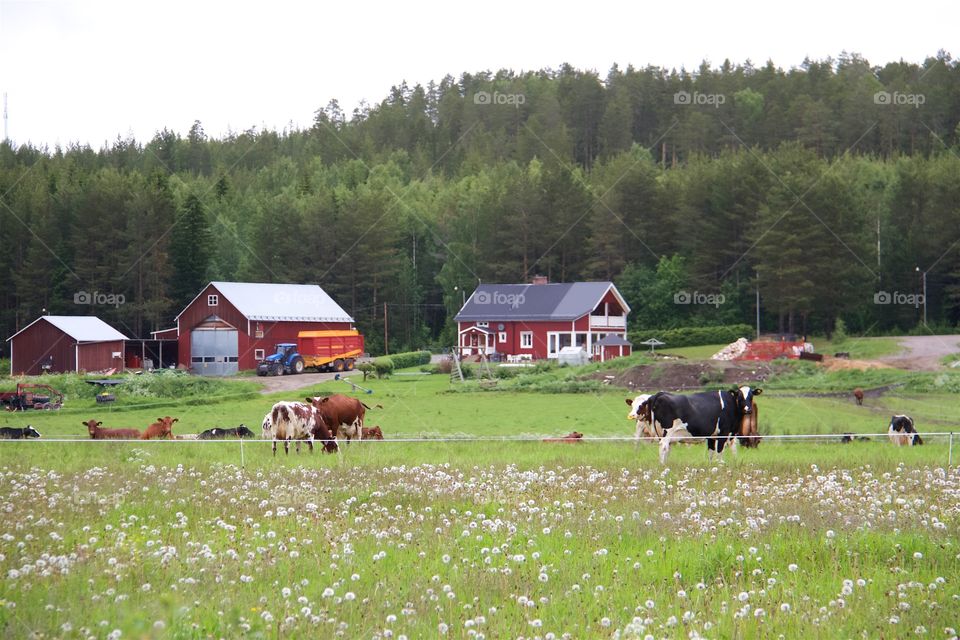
(60, 344)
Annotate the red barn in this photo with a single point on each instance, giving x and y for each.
(232, 325)
(535, 321)
(66, 343)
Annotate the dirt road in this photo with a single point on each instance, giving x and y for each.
(923, 353)
(273, 384)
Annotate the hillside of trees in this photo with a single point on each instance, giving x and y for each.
(823, 185)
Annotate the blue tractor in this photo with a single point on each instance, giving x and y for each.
(285, 360)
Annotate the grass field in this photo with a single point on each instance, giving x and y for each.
(480, 539)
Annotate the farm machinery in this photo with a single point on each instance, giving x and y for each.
(31, 396)
(330, 350)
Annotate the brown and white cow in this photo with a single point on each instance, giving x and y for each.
(902, 432)
(298, 421)
(640, 411)
(343, 414)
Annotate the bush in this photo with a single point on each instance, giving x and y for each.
(409, 359)
(693, 336)
(383, 366)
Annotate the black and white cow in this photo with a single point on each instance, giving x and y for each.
(701, 415)
(13, 433)
(902, 431)
(220, 433)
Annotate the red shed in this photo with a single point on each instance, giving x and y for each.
(232, 325)
(66, 343)
(612, 346)
(535, 321)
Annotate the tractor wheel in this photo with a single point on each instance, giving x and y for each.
(349, 366)
(298, 365)
(338, 365)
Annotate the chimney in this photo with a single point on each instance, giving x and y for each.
(540, 280)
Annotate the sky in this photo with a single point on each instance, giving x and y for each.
(91, 71)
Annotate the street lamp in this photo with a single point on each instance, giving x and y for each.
(924, 275)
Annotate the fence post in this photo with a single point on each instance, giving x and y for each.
(242, 465)
(950, 454)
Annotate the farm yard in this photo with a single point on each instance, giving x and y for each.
(488, 538)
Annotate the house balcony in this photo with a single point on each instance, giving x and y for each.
(608, 322)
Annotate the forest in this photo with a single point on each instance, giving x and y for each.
(832, 188)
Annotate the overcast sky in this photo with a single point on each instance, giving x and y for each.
(90, 71)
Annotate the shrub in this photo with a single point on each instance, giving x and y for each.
(694, 336)
(383, 366)
(366, 368)
(409, 359)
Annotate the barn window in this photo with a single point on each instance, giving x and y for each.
(213, 300)
(258, 333)
(526, 339)
(503, 337)
(483, 324)
(258, 354)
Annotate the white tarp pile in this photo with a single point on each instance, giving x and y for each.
(732, 351)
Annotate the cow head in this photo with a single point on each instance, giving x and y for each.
(743, 399)
(244, 432)
(92, 426)
(639, 407)
(30, 432)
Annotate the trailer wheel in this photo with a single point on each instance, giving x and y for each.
(338, 365)
(298, 365)
(350, 364)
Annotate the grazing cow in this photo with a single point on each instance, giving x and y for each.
(372, 433)
(219, 433)
(298, 421)
(342, 413)
(93, 427)
(13, 433)
(162, 428)
(571, 438)
(847, 438)
(902, 432)
(640, 411)
(702, 415)
(858, 396)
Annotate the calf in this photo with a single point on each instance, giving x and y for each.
(162, 428)
(13, 433)
(298, 421)
(858, 396)
(748, 434)
(266, 426)
(219, 433)
(902, 432)
(372, 433)
(571, 438)
(640, 411)
(93, 427)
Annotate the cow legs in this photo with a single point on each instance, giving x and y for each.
(274, 447)
(310, 443)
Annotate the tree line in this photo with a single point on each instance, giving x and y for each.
(831, 188)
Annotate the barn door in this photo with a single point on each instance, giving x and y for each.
(213, 352)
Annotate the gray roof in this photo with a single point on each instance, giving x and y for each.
(281, 302)
(560, 301)
(614, 340)
(80, 328)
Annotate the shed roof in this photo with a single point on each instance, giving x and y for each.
(80, 328)
(280, 302)
(614, 340)
(559, 301)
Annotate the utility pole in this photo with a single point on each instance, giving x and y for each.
(923, 275)
(6, 135)
(386, 343)
(758, 304)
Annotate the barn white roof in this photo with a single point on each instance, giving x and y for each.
(282, 302)
(80, 328)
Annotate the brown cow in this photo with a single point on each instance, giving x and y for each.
(93, 426)
(343, 414)
(858, 395)
(749, 434)
(372, 433)
(162, 428)
(572, 437)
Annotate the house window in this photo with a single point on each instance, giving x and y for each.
(258, 354)
(483, 325)
(258, 333)
(213, 300)
(503, 337)
(526, 339)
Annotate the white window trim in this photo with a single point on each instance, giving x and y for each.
(503, 337)
(526, 339)
(213, 300)
(259, 354)
(483, 324)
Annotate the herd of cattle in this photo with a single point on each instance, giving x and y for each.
(720, 417)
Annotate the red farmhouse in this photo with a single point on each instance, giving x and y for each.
(59, 344)
(535, 321)
(233, 325)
